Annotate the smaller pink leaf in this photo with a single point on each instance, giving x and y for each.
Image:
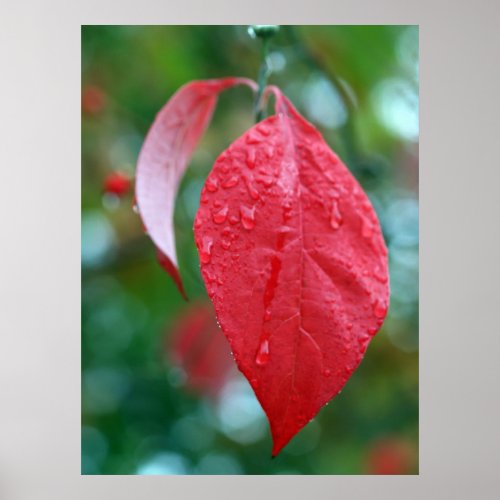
(164, 157)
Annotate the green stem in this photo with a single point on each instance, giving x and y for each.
(265, 33)
(264, 72)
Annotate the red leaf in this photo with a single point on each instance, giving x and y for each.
(198, 346)
(295, 263)
(164, 157)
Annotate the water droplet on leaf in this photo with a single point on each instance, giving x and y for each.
(220, 216)
(231, 182)
(335, 216)
(247, 217)
(262, 356)
(250, 161)
(379, 309)
(211, 184)
(206, 250)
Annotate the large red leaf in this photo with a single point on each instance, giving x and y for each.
(295, 263)
(164, 157)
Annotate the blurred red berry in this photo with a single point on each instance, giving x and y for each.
(390, 456)
(93, 100)
(117, 183)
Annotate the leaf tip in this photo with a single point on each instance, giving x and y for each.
(172, 270)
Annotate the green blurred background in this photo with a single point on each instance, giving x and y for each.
(145, 409)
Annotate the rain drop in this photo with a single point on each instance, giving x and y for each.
(327, 372)
(379, 309)
(262, 356)
(247, 217)
(211, 184)
(366, 229)
(269, 152)
(233, 219)
(335, 216)
(252, 139)
(225, 244)
(267, 315)
(250, 161)
(254, 194)
(264, 130)
(231, 182)
(206, 250)
(379, 275)
(220, 216)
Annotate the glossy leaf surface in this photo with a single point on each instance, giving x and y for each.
(295, 263)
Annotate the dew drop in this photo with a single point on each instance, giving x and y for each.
(262, 356)
(250, 161)
(225, 244)
(252, 139)
(335, 216)
(266, 180)
(372, 331)
(220, 216)
(247, 217)
(269, 152)
(366, 229)
(366, 206)
(254, 194)
(209, 277)
(206, 250)
(267, 315)
(197, 223)
(231, 182)
(254, 383)
(264, 130)
(379, 309)
(233, 219)
(349, 326)
(327, 372)
(379, 275)
(211, 184)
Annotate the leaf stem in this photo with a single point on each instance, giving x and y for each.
(265, 33)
